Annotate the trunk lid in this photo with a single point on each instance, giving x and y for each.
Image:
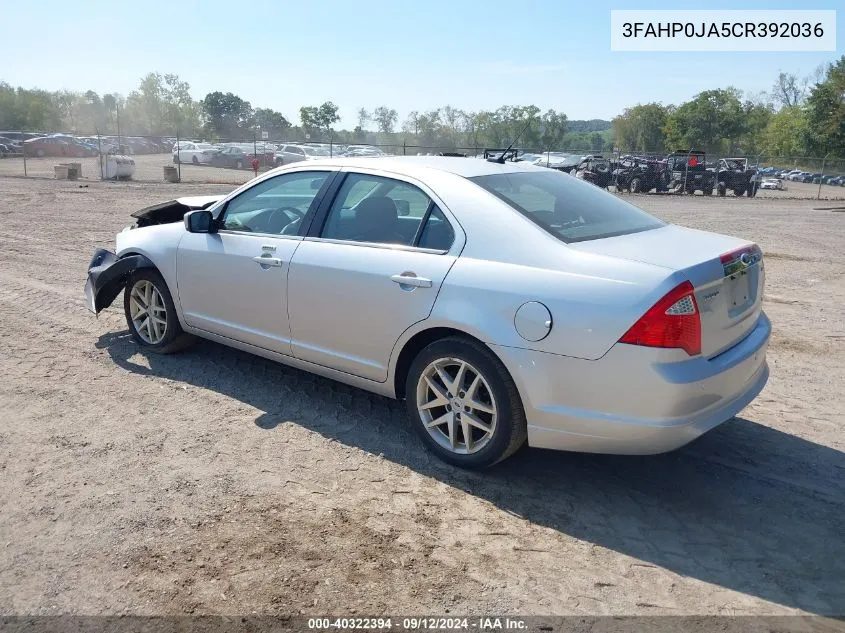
(726, 272)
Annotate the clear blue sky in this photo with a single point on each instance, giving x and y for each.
(405, 54)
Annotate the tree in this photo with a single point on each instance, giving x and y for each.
(554, 129)
(825, 131)
(385, 119)
(412, 123)
(788, 90)
(227, 115)
(363, 118)
(316, 120)
(642, 128)
(712, 121)
(785, 133)
(272, 122)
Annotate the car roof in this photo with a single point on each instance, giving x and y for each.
(418, 165)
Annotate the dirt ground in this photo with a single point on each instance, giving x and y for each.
(217, 482)
(148, 169)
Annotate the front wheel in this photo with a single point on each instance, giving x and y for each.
(151, 314)
(195, 161)
(464, 404)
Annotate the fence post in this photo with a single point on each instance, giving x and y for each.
(23, 150)
(178, 155)
(100, 153)
(404, 148)
(824, 162)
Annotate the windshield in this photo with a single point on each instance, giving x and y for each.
(569, 208)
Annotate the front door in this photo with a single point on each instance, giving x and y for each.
(234, 282)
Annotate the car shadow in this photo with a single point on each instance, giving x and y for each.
(745, 507)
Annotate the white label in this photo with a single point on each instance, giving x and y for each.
(723, 30)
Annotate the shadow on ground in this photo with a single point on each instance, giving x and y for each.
(745, 507)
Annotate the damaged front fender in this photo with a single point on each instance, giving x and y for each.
(107, 275)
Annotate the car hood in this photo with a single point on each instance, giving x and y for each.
(173, 210)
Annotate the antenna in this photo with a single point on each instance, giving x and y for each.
(501, 158)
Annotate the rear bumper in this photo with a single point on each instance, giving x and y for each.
(635, 400)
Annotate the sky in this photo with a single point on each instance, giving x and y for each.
(408, 55)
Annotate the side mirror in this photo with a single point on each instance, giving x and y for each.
(200, 221)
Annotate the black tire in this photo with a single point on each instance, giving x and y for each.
(279, 162)
(511, 429)
(194, 160)
(707, 192)
(175, 159)
(739, 191)
(751, 191)
(636, 185)
(175, 339)
(722, 189)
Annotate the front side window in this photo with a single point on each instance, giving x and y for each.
(569, 208)
(382, 210)
(275, 206)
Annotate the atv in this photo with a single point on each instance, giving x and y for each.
(595, 169)
(688, 173)
(639, 175)
(734, 174)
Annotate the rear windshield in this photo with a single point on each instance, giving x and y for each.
(567, 207)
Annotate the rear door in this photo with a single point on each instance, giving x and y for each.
(371, 267)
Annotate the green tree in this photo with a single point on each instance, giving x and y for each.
(785, 133)
(642, 128)
(385, 119)
(713, 121)
(553, 126)
(227, 116)
(825, 132)
(272, 122)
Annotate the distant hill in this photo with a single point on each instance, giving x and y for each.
(593, 125)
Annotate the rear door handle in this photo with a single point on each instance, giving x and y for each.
(407, 280)
(268, 261)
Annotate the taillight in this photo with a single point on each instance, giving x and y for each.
(673, 321)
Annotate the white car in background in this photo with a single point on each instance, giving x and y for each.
(196, 153)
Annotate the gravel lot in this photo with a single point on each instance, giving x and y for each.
(216, 482)
(148, 168)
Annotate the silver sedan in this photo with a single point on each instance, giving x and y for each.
(504, 303)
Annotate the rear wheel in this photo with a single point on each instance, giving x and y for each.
(464, 404)
(194, 160)
(722, 189)
(751, 191)
(636, 185)
(151, 314)
(739, 191)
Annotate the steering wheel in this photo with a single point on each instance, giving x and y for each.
(273, 224)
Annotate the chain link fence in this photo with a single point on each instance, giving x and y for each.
(236, 160)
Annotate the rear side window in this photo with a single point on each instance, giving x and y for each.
(569, 208)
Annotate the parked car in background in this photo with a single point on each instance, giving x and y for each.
(554, 340)
(688, 172)
(57, 146)
(363, 151)
(734, 174)
(772, 183)
(191, 152)
(294, 153)
(639, 175)
(234, 157)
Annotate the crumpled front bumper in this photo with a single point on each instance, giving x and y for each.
(107, 275)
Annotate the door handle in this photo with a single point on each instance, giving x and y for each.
(268, 261)
(408, 280)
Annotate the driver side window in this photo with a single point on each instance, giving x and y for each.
(274, 206)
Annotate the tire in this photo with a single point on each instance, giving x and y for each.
(194, 160)
(239, 164)
(636, 185)
(707, 192)
(279, 162)
(175, 159)
(739, 191)
(751, 191)
(496, 390)
(722, 189)
(173, 339)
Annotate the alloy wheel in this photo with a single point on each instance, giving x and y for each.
(456, 405)
(148, 312)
